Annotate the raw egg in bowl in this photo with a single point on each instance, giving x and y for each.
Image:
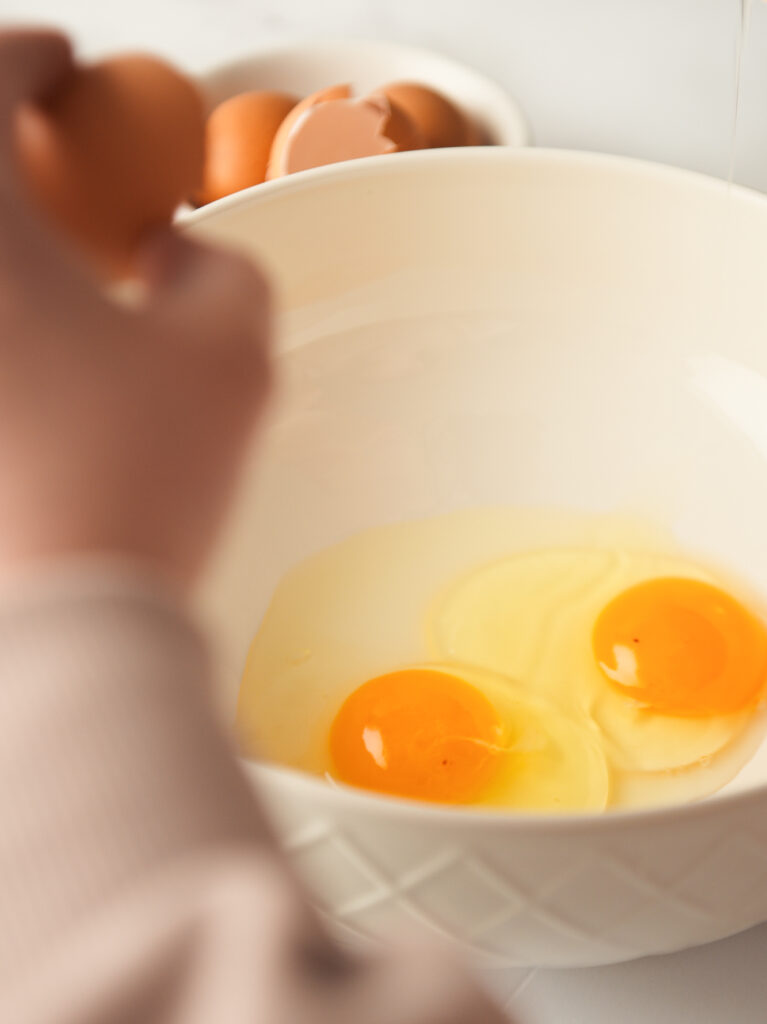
(492, 604)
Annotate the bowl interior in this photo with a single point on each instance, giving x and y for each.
(303, 68)
(592, 337)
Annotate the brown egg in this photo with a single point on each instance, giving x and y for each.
(439, 121)
(113, 153)
(275, 167)
(238, 137)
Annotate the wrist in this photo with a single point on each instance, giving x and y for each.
(69, 575)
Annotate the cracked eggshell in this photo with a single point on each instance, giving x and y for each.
(345, 129)
(275, 167)
(441, 123)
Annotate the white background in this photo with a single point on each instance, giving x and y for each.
(649, 78)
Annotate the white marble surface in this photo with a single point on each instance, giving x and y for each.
(649, 78)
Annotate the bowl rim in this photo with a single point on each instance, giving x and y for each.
(515, 123)
(370, 803)
(371, 166)
(429, 814)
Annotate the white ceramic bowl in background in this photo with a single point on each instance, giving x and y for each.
(303, 68)
(632, 374)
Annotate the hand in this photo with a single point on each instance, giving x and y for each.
(121, 431)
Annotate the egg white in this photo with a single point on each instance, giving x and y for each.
(478, 594)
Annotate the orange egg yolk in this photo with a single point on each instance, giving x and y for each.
(418, 733)
(682, 647)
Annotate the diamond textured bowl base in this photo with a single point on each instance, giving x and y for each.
(627, 371)
(570, 895)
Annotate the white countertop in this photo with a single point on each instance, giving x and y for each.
(648, 78)
(724, 983)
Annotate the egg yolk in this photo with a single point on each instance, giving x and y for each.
(417, 733)
(682, 647)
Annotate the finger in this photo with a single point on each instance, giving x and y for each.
(204, 288)
(34, 261)
(214, 307)
(32, 63)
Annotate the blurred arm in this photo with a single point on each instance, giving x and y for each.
(138, 878)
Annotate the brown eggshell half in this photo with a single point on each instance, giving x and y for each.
(401, 130)
(476, 135)
(438, 119)
(345, 129)
(113, 154)
(276, 166)
(238, 138)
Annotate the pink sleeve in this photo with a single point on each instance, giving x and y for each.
(138, 877)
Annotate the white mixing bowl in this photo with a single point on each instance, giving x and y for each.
(628, 370)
